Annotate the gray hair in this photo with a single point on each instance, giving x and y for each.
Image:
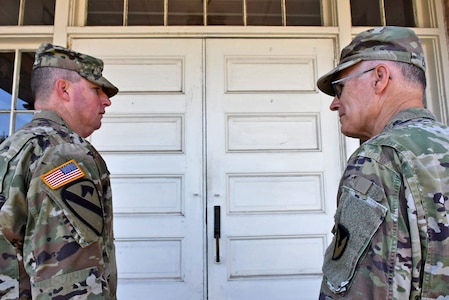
(43, 80)
(412, 73)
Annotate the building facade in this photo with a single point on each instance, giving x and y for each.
(224, 156)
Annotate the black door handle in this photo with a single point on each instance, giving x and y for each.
(217, 232)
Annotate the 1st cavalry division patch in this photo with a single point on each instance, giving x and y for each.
(60, 176)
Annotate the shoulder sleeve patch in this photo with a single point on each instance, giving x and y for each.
(83, 201)
(62, 175)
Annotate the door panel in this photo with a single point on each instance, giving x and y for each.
(151, 139)
(272, 165)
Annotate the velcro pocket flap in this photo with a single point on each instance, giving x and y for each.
(357, 219)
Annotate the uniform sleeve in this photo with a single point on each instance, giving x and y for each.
(369, 255)
(14, 209)
(427, 195)
(13, 216)
(63, 237)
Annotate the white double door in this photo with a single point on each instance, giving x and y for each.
(224, 162)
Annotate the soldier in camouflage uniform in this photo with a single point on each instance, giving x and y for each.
(391, 232)
(56, 237)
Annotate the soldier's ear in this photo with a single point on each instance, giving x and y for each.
(382, 77)
(61, 87)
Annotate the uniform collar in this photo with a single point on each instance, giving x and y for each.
(50, 115)
(407, 115)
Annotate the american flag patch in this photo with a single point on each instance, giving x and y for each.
(62, 175)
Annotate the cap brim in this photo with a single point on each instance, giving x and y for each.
(324, 83)
(109, 89)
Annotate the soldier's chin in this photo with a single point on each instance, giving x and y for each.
(349, 133)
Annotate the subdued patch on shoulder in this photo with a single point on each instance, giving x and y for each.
(83, 201)
(341, 241)
(62, 175)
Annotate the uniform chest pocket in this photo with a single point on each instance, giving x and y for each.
(358, 217)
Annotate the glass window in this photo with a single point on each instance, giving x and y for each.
(404, 18)
(225, 12)
(382, 12)
(105, 13)
(9, 12)
(17, 109)
(25, 94)
(146, 12)
(22, 119)
(35, 12)
(4, 126)
(219, 12)
(6, 79)
(182, 12)
(264, 12)
(365, 13)
(39, 12)
(303, 12)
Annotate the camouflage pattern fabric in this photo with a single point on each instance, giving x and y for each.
(391, 233)
(56, 238)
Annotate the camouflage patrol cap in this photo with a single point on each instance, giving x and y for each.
(382, 43)
(87, 66)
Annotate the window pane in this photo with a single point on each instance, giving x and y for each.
(399, 13)
(146, 12)
(22, 119)
(25, 94)
(219, 12)
(9, 12)
(6, 78)
(105, 13)
(182, 12)
(264, 12)
(4, 126)
(303, 12)
(365, 13)
(5, 100)
(39, 12)
(225, 12)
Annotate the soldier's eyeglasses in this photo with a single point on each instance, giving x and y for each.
(338, 86)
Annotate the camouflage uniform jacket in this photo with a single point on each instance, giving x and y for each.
(56, 237)
(391, 232)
